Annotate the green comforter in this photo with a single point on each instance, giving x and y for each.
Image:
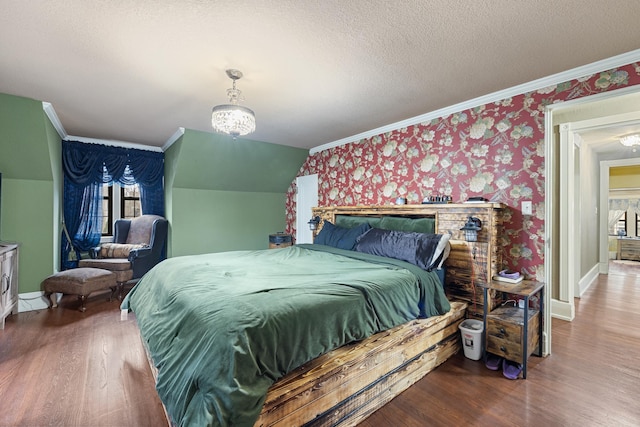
(222, 328)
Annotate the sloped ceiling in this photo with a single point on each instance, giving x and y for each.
(315, 71)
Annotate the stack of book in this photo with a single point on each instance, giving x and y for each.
(508, 277)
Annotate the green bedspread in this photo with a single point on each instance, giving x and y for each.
(222, 328)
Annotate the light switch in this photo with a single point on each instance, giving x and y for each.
(527, 208)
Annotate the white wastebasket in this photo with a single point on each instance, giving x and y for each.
(471, 330)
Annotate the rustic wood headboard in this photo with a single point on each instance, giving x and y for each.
(469, 263)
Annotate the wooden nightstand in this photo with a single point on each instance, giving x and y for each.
(507, 334)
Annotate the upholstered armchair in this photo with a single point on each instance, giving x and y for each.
(138, 245)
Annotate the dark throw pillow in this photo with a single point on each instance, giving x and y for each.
(340, 237)
(427, 251)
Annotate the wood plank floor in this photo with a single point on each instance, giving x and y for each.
(592, 377)
(62, 367)
(66, 368)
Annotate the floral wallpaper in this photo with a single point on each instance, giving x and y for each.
(495, 151)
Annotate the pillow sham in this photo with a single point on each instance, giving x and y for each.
(419, 225)
(340, 237)
(427, 251)
(351, 221)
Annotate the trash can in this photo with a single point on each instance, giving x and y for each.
(471, 330)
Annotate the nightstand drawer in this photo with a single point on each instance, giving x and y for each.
(504, 340)
(505, 332)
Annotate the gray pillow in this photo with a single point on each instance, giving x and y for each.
(427, 251)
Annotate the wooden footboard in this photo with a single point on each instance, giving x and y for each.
(344, 386)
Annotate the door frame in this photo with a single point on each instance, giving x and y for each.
(553, 231)
(306, 198)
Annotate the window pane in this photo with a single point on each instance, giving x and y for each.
(621, 225)
(105, 217)
(107, 211)
(130, 206)
(131, 191)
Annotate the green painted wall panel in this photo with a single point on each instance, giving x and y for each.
(55, 158)
(27, 157)
(23, 144)
(27, 218)
(171, 157)
(215, 162)
(215, 221)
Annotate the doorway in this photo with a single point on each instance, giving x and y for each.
(574, 194)
(306, 198)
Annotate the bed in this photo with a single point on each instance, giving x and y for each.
(310, 334)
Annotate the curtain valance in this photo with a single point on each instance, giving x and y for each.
(86, 163)
(624, 205)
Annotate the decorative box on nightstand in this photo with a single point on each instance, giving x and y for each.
(514, 332)
(279, 240)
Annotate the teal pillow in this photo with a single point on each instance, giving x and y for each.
(351, 221)
(340, 237)
(398, 223)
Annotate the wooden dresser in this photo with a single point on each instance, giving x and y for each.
(8, 280)
(629, 248)
(470, 264)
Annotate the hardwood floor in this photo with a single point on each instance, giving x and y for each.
(592, 377)
(66, 368)
(63, 367)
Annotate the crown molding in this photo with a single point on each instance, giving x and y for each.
(54, 119)
(177, 134)
(585, 70)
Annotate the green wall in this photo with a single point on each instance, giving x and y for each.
(217, 162)
(28, 211)
(224, 194)
(217, 221)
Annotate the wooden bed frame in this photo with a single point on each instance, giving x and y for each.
(346, 385)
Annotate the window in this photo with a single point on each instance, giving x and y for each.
(621, 225)
(119, 202)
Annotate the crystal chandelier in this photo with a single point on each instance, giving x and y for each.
(233, 119)
(630, 140)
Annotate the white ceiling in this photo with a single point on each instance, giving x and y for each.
(314, 71)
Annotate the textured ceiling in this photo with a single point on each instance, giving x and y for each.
(315, 71)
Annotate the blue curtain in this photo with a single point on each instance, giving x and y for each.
(86, 167)
(82, 218)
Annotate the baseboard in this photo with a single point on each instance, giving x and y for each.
(562, 310)
(31, 301)
(588, 280)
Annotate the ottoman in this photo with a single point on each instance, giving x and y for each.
(121, 267)
(78, 281)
